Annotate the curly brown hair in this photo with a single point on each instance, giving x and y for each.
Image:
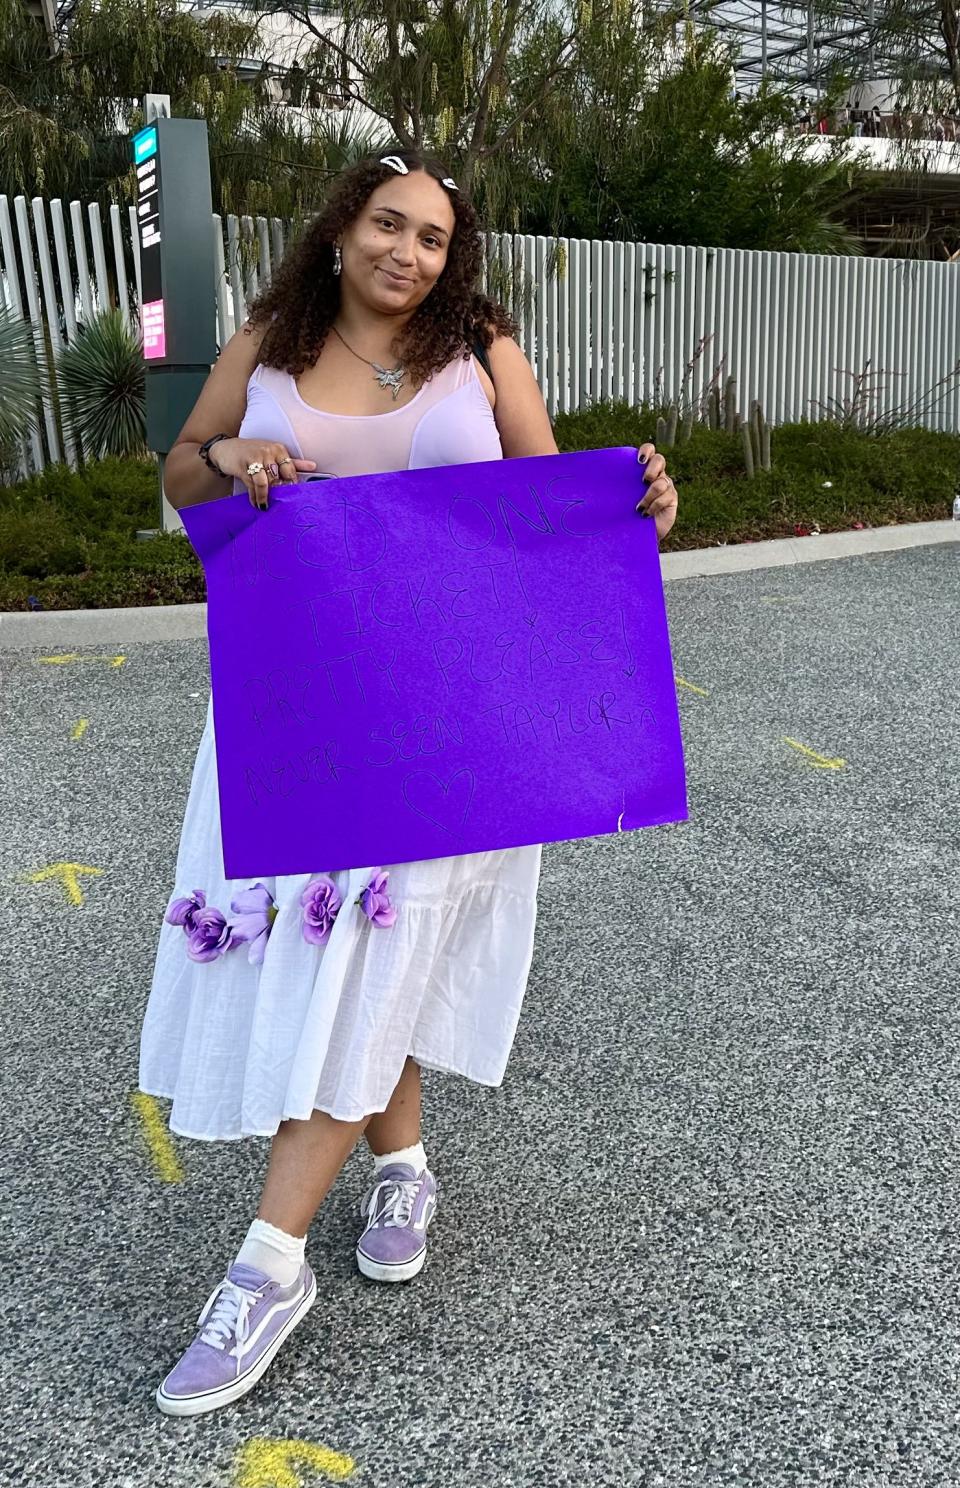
(301, 301)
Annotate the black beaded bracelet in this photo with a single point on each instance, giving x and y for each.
(204, 453)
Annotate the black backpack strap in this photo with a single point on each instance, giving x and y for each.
(482, 356)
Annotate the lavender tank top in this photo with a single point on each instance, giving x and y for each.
(449, 421)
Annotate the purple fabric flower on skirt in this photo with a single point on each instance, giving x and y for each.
(321, 904)
(210, 935)
(375, 902)
(256, 912)
(183, 911)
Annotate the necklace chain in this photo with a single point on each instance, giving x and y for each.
(392, 378)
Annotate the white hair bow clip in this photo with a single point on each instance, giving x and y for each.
(395, 163)
(452, 184)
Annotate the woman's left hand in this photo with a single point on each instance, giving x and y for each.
(660, 501)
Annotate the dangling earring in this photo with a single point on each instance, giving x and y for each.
(337, 258)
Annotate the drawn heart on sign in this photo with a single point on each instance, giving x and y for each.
(437, 801)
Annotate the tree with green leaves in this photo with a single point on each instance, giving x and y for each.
(462, 77)
(650, 144)
(583, 117)
(566, 116)
(67, 110)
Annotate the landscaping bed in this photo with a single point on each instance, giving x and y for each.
(68, 538)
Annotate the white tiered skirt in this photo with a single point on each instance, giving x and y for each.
(239, 1048)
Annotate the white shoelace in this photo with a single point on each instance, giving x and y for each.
(400, 1197)
(226, 1312)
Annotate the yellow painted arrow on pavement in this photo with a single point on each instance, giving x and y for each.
(819, 761)
(262, 1463)
(68, 873)
(115, 661)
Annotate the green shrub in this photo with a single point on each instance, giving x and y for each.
(602, 426)
(56, 484)
(168, 552)
(105, 495)
(777, 501)
(823, 475)
(68, 538)
(893, 464)
(159, 570)
(103, 591)
(131, 489)
(40, 542)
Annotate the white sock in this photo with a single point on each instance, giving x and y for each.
(273, 1251)
(415, 1156)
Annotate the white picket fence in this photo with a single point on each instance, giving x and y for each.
(642, 322)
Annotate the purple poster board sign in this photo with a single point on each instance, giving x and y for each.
(441, 661)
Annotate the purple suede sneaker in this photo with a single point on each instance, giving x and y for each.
(246, 1319)
(398, 1208)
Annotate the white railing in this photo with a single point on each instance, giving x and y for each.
(640, 322)
(802, 333)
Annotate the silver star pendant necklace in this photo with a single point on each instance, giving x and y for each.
(386, 378)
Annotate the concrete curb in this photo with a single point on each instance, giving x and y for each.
(783, 551)
(188, 622)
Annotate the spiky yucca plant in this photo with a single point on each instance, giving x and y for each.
(101, 378)
(20, 380)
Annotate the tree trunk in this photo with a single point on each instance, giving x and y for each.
(950, 31)
(490, 78)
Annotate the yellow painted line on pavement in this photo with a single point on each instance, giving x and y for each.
(266, 1463)
(165, 1160)
(69, 656)
(79, 729)
(819, 761)
(701, 690)
(67, 873)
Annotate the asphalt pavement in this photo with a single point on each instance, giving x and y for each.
(706, 1232)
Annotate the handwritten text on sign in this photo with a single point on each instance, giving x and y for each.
(440, 661)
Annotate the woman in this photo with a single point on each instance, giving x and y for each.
(356, 359)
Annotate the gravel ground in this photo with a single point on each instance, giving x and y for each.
(705, 1231)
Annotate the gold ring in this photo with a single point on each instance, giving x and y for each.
(254, 468)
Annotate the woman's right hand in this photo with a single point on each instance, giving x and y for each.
(279, 467)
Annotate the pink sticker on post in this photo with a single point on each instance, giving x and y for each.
(154, 333)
